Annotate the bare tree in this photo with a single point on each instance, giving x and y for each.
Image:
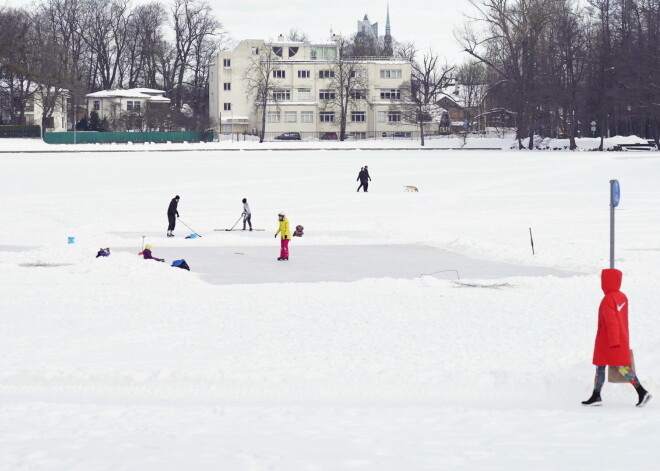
(106, 33)
(509, 47)
(471, 78)
(260, 82)
(17, 85)
(193, 21)
(348, 86)
(420, 96)
(297, 35)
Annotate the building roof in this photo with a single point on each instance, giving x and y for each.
(145, 93)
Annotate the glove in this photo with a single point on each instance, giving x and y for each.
(275, 235)
(285, 237)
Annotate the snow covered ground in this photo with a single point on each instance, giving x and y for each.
(345, 357)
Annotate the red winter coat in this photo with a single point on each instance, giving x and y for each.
(612, 339)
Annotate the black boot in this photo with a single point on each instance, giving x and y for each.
(644, 396)
(594, 400)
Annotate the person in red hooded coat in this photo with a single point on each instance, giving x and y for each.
(612, 345)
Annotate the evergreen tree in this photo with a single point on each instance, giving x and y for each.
(94, 122)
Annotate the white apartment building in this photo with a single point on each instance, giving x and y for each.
(302, 82)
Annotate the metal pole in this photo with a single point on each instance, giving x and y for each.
(611, 233)
(615, 194)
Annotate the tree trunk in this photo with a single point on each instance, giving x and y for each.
(421, 132)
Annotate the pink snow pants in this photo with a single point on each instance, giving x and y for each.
(284, 245)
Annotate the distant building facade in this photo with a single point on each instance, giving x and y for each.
(367, 28)
(34, 107)
(108, 103)
(302, 83)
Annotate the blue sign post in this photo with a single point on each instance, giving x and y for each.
(615, 196)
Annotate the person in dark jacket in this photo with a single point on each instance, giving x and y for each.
(612, 346)
(361, 178)
(364, 178)
(172, 214)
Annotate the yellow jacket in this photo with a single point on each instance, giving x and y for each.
(284, 229)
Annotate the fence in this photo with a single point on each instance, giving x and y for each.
(86, 137)
(356, 136)
(15, 131)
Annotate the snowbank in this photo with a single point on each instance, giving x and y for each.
(125, 363)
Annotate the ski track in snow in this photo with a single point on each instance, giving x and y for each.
(122, 363)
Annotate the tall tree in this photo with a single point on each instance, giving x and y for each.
(348, 86)
(421, 94)
(260, 81)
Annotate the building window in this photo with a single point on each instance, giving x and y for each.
(358, 94)
(358, 116)
(97, 105)
(394, 117)
(303, 74)
(129, 105)
(281, 95)
(306, 116)
(326, 94)
(327, 116)
(273, 117)
(226, 62)
(359, 73)
(255, 51)
(326, 73)
(390, 74)
(277, 51)
(136, 106)
(279, 73)
(382, 116)
(390, 94)
(227, 86)
(290, 117)
(227, 106)
(304, 94)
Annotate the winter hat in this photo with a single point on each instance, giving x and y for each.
(244, 200)
(177, 197)
(282, 214)
(148, 246)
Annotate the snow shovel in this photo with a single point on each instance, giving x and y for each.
(232, 227)
(189, 227)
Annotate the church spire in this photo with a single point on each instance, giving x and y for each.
(387, 24)
(388, 35)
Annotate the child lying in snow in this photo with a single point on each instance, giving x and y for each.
(146, 253)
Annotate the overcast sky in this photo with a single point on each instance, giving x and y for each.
(428, 23)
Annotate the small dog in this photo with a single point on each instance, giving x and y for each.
(410, 188)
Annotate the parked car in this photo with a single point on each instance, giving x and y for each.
(288, 136)
(401, 134)
(329, 136)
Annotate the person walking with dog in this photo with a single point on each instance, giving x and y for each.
(285, 236)
(612, 346)
(247, 215)
(172, 214)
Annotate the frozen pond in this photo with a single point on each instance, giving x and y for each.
(258, 264)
